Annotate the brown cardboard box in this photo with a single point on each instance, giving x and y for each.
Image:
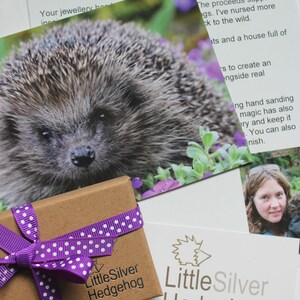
(131, 263)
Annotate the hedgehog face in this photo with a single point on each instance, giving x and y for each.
(56, 151)
(88, 134)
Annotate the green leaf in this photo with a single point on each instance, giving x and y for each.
(159, 177)
(209, 139)
(138, 197)
(195, 152)
(149, 181)
(233, 151)
(219, 168)
(179, 173)
(191, 177)
(2, 206)
(199, 167)
(237, 163)
(195, 145)
(175, 167)
(162, 174)
(223, 153)
(226, 146)
(161, 20)
(2, 52)
(184, 174)
(245, 153)
(202, 131)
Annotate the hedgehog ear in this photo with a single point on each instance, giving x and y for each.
(11, 126)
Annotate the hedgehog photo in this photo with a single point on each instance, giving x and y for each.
(90, 101)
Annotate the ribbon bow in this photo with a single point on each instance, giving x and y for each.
(66, 257)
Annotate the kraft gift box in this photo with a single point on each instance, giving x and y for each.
(127, 274)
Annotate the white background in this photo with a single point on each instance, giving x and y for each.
(218, 201)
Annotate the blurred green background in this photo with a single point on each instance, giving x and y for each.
(160, 16)
(288, 160)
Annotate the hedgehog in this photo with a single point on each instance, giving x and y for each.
(93, 100)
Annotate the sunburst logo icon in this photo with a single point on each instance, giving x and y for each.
(189, 252)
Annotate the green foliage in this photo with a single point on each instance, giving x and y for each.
(162, 174)
(287, 160)
(282, 162)
(2, 206)
(295, 182)
(160, 22)
(2, 50)
(158, 16)
(294, 171)
(284, 159)
(258, 160)
(149, 181)
(184, 174)
(207, 159)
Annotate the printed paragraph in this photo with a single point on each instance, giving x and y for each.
(225, 12)
(266, 116)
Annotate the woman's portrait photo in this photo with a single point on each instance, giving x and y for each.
(271, 190)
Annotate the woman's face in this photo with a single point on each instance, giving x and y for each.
(270, 201)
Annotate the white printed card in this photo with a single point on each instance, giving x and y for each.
(201, 264)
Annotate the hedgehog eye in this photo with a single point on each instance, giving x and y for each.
(102, 115)
(45, 133)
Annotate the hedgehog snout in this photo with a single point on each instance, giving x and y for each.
(82, 156)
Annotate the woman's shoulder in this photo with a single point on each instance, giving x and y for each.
(266, 233)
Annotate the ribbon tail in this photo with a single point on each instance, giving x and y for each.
(26, 220)
(46, 285)
(6, 274)
(75, 269)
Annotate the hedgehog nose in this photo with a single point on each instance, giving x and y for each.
(82, 156)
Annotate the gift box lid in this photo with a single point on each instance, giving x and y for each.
(127, 274)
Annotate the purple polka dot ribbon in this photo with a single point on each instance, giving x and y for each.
(67, 257)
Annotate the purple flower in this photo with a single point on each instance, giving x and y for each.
(195, 56)
(160, 187)
(231, 107)
(209, 174)
(176, 49)
(164, 41)
(185, 5)
(136, 183)
(205, 44)
(240, 139)
(217, 147)
(205, 61)
(212, 70)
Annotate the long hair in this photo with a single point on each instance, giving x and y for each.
(254, 182)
